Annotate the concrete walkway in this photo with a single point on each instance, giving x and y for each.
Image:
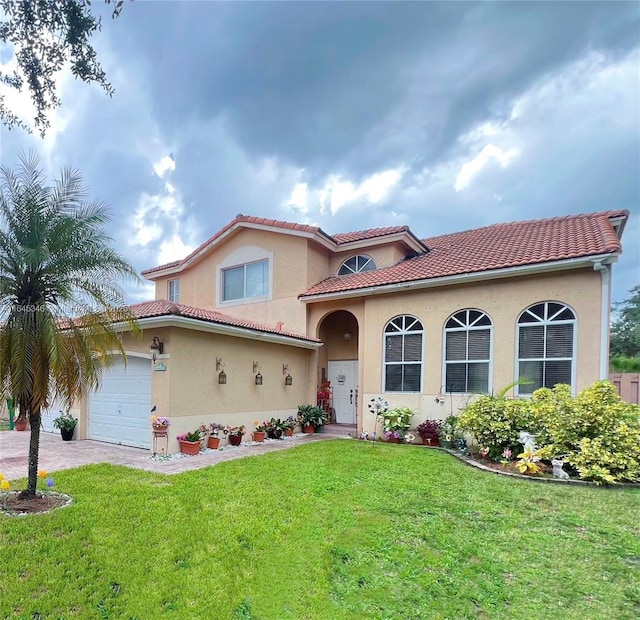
(56, 454)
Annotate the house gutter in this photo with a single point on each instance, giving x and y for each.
(465, 278)
(605, 310)
(218, 328)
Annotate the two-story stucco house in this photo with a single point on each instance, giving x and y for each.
(252, 322)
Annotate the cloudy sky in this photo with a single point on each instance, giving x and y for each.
(442, 116)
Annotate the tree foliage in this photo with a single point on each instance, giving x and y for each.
(45, 35)
(625, 329)
(59, 295)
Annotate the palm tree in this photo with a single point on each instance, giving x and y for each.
(60, 303)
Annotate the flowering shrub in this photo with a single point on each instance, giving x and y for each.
(214, 428)
(289, 423)
(429, 429)
(261, 428)
(396, 422)
(160, 420)
(596, 433)
(495, 422)
(190, 436)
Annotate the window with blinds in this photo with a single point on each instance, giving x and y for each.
(546, 334)
(403, 355)
(173, 291)
(467, 354)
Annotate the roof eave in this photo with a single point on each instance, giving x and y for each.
(172, 320)
(505, 272)
(409, 240)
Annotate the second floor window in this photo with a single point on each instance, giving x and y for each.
(356, 264)
(173, 291)
(245, 281)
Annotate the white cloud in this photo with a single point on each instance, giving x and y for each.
(173, 249)
(164, 165)
(299, 198)
(472, 168)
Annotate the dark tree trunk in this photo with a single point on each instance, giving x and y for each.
(34, 449)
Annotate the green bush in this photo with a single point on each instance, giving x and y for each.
(495, 422)
(620, 363)
(596, 433)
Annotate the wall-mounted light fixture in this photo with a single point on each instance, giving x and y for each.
(256, 372)
(288, 379)
(347, 335)
(156, 348)
(222, 375)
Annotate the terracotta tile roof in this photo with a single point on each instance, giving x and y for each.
(162, 307)
(371, 233)
(249, 219)
(338, 239)
(492, 247)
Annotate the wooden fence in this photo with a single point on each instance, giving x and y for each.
(627, 384)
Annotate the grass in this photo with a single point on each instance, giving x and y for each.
(330, 530)
(4, 425)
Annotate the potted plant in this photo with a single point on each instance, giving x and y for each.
(66, 423)
(451, 436)
(261, 431)
(289, 424)
(190, 442)
(159, 423)
(234, 433)
(308, 416)
(213, 431)
(21, 423)
(429, 430)
(395, 423)
(275, 428)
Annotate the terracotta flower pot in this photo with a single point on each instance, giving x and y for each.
(189, 447)
(160, 428)
(308, 428)
(393, 440)
(430, 441)
(21, 424)
(288, 432)
(258, 436)
(235, 440)
(213, 442)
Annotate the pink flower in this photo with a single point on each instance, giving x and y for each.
(507, 453)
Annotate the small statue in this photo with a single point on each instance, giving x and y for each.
(528, 441)
(558, 472)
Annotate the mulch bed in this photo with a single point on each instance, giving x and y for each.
(13, 505)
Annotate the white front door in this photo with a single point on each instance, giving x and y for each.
(344, 381)
(119, 411)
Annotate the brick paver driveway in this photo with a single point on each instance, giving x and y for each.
(56, 454)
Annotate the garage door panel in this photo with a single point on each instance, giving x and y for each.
(119, 411)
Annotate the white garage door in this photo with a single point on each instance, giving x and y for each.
(119, 412)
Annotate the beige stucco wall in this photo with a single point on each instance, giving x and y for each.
(291, 271)
(502, 299)
(384, 255)
(195, 397)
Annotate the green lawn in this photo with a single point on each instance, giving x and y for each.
(4, 425)
(338, 529)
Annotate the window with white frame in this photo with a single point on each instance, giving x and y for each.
(403, 354)
(173, 291)
(467, 352)
(356, 264)
(546, 352)
(245, 281)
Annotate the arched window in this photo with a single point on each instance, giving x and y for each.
(467, 352)
(545, 345)
(356, 264)
(403, 354)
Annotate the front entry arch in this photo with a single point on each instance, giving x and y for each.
(338, 364)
